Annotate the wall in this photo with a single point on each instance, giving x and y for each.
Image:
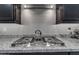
(38, 16)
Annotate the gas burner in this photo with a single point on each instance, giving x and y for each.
(38, 40)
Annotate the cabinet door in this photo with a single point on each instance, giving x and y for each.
(7, 13)
(59, 13)
(71, 13)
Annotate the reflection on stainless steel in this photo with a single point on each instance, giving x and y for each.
(38, 40)
(38, 6)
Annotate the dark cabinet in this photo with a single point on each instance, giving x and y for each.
(68, 13)
(8, 13)
(59, 13)
(71, 13)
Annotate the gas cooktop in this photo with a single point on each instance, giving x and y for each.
(38, 40)
(49, 41)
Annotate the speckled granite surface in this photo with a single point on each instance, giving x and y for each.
(70, 46)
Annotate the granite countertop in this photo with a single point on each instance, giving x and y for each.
(71, 45)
